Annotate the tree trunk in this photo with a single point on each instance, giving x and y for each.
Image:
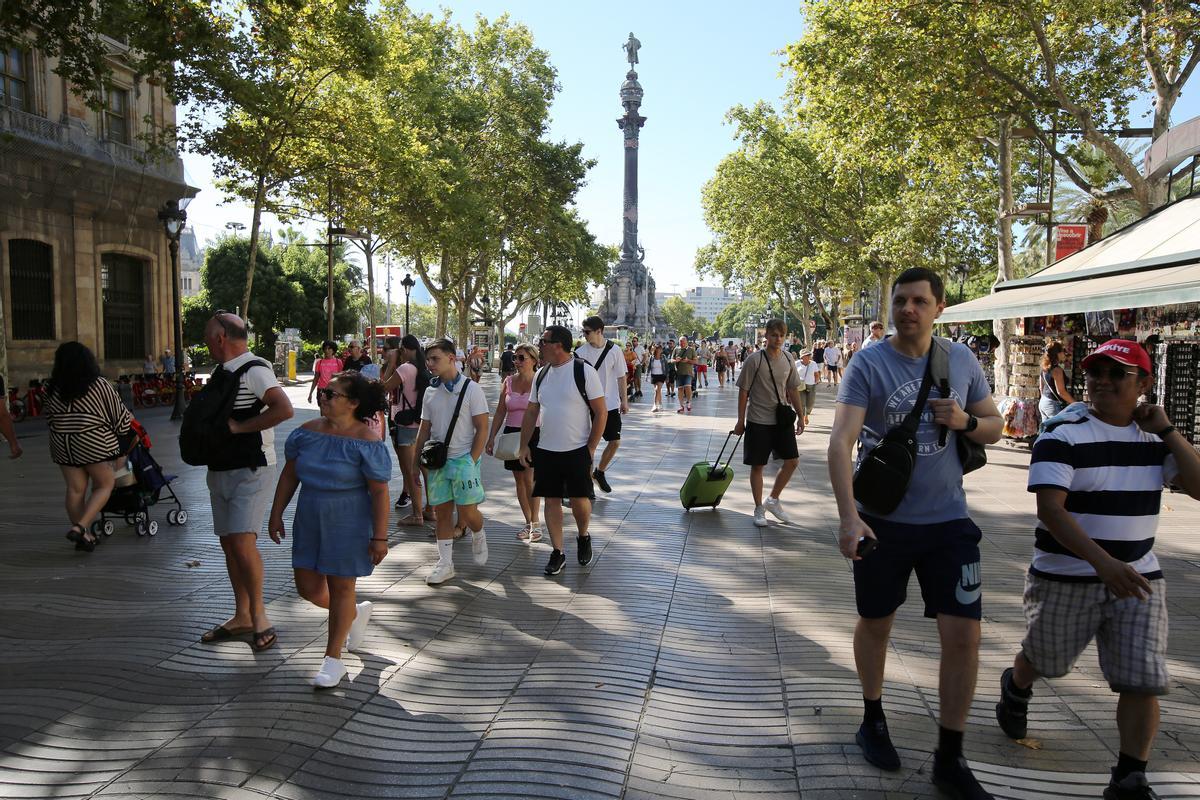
(260, 196)
(464, 319)
(1004, 328)
(885, 300)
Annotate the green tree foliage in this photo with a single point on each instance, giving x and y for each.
(682, 317)
(732, 320)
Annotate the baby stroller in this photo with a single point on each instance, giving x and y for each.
(140, 484)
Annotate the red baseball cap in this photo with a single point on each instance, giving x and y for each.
(1123, 351)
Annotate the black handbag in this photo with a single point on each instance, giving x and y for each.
(435, 454)
(883, 474)
(785, 415)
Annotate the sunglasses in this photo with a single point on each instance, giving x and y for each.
(329, 394)
(1114, 374)
(520, 357)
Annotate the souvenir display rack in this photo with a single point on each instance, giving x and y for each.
(1177, 369)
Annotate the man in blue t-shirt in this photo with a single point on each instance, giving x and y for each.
(929, 531)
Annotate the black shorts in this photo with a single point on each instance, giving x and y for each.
(565, 474)
(612, 426)
(658, 379)
(945, 556)
(762, 440)
(515, 465)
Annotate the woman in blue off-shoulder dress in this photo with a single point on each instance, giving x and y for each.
(340, 530)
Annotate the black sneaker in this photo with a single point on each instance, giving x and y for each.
(1012, 711)
(403, 501)
(558, 560)
(876, 745)
(1133, 787)
(585, 550)
(601, 481)
(955, 780)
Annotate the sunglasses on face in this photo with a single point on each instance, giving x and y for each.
(520, 357)
(329, 394)
(1114, 373)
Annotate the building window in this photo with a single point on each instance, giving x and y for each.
(14, 79)
(31, 280)
(121, 278)
(116, 115)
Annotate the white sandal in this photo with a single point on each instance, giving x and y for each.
(535, 533)
(523, 534)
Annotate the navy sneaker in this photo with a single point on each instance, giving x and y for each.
(1012, 712)
(953, 777)
(876, 745)
(558, 560)
(1133, 787)
(601, 481)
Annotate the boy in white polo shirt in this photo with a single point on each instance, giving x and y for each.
(457, 485)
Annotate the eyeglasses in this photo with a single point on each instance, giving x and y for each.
(329, 394)
(1114, 373)
(545, 342)
(520, 357)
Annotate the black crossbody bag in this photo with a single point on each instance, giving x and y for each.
(884, 473)
(785, 415)
(434, 454)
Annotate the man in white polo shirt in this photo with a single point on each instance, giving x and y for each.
(606, 358)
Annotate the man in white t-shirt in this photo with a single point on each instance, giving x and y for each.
(568, 396)
(640, 356)
(876, 335)
(808, 381)
(606, 358)
(456, 486)
(833, 363)
(241, 477)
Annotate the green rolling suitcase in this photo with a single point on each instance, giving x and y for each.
(706, 483)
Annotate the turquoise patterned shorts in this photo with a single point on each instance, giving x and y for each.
(459, 481)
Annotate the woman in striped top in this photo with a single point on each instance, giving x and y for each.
(86, 419)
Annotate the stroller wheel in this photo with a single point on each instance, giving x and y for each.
(181, 517)
(108, 527)
(171, 518)
(152, 527)
(97, 528)
(140, 528)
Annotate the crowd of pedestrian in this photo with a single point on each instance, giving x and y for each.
(912, 415)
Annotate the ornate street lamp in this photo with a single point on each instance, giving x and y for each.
(173, 218)
(408, 283)
(961, 271)
(862, 325)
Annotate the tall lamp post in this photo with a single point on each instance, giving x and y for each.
(173, 218)
(961, 271)
(408, 283)
(862, 325)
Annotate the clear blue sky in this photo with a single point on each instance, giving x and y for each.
(697, 60)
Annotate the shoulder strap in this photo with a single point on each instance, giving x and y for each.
(457, 408)
(581, 383)
(607, 346)
(774, 385)
(540, 379)
(939, 370)
(913, 420)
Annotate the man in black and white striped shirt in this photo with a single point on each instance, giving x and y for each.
(1098, 472)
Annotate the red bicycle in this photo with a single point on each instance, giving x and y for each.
(31, 405)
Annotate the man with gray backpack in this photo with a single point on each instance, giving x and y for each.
(920, 410)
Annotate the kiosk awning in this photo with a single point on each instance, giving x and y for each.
(1153, 262)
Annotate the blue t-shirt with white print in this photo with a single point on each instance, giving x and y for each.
(886, 383)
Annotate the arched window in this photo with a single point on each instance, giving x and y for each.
(31, 281)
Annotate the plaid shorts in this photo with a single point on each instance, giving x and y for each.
(1131, 634)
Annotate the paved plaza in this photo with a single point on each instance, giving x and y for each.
(697, 657)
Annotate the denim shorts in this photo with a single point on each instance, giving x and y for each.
(683, 380)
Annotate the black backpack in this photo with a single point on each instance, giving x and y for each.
(204, 434)
(580, 383)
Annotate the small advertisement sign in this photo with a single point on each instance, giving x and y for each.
(1069, 239)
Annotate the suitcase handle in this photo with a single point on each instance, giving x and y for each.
(717, 463)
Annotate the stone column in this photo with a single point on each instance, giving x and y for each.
(631, 123)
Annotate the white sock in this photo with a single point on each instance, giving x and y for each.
(446, 551)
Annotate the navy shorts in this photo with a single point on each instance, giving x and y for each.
(945, 556)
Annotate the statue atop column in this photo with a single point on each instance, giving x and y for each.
(631, 289)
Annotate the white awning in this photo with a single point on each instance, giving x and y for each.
(1153, 262)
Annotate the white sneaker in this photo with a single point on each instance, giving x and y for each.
(479, 547)
(442, 572)
(772, 504)
(760, 517)
(331, 674)
(358, 628)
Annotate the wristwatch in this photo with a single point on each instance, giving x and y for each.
(972, 423)
(1165, 432)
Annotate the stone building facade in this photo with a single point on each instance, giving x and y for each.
(82, 253)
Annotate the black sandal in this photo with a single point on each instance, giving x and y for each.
(76, 533)
(86, 544)
(267, 637)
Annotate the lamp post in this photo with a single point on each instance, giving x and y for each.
(862, 325)
(962, 271)
(173, 218)
(408, 283)
(236, 227)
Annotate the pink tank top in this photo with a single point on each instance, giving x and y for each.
(516, 404)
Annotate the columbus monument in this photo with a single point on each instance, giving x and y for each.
(630, 299)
